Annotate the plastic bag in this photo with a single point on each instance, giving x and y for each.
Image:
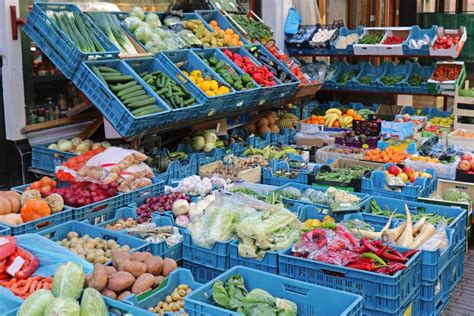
(8, 301)
(50, 256)
(293, 22)
(326, 245)
(438, 241)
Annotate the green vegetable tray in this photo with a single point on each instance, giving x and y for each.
(343, 69)
(118, 115)
(425, 72)
(69, 56)
(392, 70)
(303, 294)
(355, 183)
(368, 71)
(177, 115)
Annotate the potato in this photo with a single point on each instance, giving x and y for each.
(158, 280)
(110, 270)
(120, 281)
(118, 256)
(124, 295)
(109, 293)
(136, 268)
(99, 278)
(140, 256)
(168, 266)
(143, 283)
(154, 265)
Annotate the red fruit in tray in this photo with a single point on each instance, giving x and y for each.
(466, 156)
(394, 170)
(472, 165)
(465, 165)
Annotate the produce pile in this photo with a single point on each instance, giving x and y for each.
(234, 296)
(215, 38)
(343, 41)
(174, 302)
(387, 155)
(132, 94)
(445, 42)
(162, 203)
(345, 175)
(331, 197)
(270, 153)
(261, 74)
(254, 29)
(206, 141)
(322, 35)
(206, 83)
(371, 38)
(447, 72)
(129, 274)
(238, 82)
(77, 145)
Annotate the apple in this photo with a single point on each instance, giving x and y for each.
(403, 176)
(466, 156)
(465, 165)
(394, 170)
(412, 178)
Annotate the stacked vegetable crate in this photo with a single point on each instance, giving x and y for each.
(45, 159)
(68, 40)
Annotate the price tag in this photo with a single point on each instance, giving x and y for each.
(346, 204)
(4, 241)
(15, 266)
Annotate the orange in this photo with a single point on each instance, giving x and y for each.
(213, 23)
(336, 124)
(351, 112)
(357, 117)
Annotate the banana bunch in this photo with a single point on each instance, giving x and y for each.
(335, 115)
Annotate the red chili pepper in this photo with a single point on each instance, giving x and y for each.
(382, 250)
(392, 257)
(362, 264)
(366, 243)
(409, 253)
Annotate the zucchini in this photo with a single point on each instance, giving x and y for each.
(108, 69)
(133, 94)
(120, 87)
(189, 101)
(138, 104)
(129, 90)
(121, 78)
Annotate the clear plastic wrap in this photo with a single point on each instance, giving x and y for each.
(331, 246)
(438, 241)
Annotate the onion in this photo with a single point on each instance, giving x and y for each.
(53, 147)
(65, 146)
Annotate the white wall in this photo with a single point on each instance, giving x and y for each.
(274, 13)
(12, 73)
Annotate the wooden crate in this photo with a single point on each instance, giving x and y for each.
(253, 175)
(463, 112)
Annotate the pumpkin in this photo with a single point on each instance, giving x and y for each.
(5, 206)
(11, 219)
(14, 199)
(34, 209)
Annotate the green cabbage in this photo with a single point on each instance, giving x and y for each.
(153, 20)
(260, 302)
(68, 281)
(273, 229)
(455, 195)
(143, 33)
(138, 12)
(92, 303)
(132, 23)
(230, 294)
(198, 143)
(63, 306)
(36, 303)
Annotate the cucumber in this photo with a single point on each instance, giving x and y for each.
(120, 87)
(151, 111)
(121, 78)
(145, 109)
(129, 90)
(108, 69)
(138, 104)
(133, 94)
(138, 98)
(96, 71)
(188, 101)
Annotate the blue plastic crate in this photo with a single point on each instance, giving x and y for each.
(266, 94)
(4, 230)
(141, 194)
(152, 298)
(434, 307)
(201, 274)
(434, 295)
(222, 22)
(282, 90)
(245, 97)
(268, 175)
(387, 293)
(412, 307)
(156, 248)
(269, 263)
(344, 31)
(392, 69)
(60, 232)
(67, 50)
(323, 209)
(46, 159)
(343, 68)
(201, 157)
(50, 50)
(455, 269)
(434, 112)
(459, 215)
(375, 182)
(200, 302)
(187, 60)
(425, 72)
(368, 70)
(187, 113)
(118, 115)
(216, 258)
(10, 303)
(416, 34)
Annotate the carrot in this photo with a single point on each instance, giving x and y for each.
(39, 285)
(32, 287)
(27, 286)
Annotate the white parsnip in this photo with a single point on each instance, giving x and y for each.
(426, 232)
(406, 239)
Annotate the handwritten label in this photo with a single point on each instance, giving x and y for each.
(15, 266)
